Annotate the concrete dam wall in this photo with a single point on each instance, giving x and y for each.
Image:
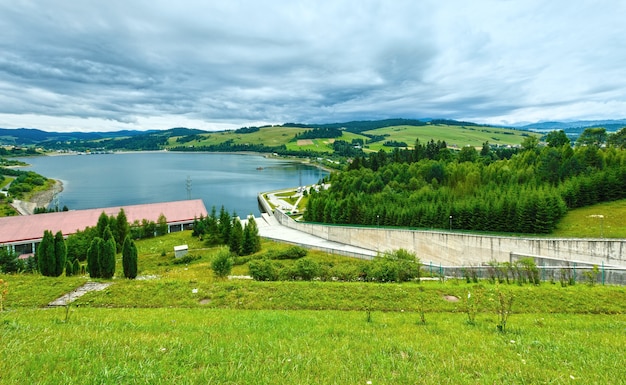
(458, 249)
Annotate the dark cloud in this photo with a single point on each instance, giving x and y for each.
(157, 64)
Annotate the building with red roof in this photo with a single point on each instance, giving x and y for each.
(23, 233)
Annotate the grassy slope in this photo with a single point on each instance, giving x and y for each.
(583, 222)
(453, 135)
(160, 331)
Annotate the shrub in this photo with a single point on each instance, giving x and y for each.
(294, 252)
(186, 259)
(306, 269)
(263, 270)
(222, 264)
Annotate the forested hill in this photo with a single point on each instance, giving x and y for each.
(428, 187)
(32, 136)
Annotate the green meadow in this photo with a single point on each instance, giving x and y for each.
(453, 135)
(181, 325)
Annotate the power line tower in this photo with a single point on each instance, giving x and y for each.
(188, 186)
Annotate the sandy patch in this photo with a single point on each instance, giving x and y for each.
(304, 142)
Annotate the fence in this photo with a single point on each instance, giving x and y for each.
(565, 274)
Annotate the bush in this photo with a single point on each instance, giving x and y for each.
(294, 252)
(186, 259)
(263, 270)
(306, 269)
(222, 264)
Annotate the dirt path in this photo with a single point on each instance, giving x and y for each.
(79, 292)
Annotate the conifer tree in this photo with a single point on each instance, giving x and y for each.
(236, 236)
(45, 255)
(123, 228)
(103, 222)
(251, 240)
(129, 258)
(107, 255)
(93, 258)
(60, 253)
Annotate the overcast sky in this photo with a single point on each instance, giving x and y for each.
(122, 64)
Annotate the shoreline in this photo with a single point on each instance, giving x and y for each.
(39, 199)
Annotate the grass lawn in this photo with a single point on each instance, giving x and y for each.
(604, 220)
(181, 325)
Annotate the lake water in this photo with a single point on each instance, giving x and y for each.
(231, 180)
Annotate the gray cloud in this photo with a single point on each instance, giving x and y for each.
(158, 64)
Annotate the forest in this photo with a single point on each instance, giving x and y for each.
(500, 190)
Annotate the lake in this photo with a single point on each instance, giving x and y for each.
(121, 179)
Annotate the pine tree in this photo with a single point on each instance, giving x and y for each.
(129, 258)
(251, 240)
(236, 236)
(69, 269)
(224, 226)
(60, 254)
(161, 227)
(123, 228)
(45, 255)
(107, 255)
(103, 222)
(93, 258)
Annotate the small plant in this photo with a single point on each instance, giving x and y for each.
(368, 313)
(591, 277)
(420, 306)
(471, 308)
(4, 290)
(186, 259)
(504, 305)
(222, 264)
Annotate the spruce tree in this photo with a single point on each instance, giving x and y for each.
(236, 236)
(123, 228)
(129, 258)
(251, 240)
(60, 253)
(103, 222)
(93, 258)
(45, 255)
(224, 226)
(107, 255)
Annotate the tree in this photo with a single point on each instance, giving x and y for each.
(103, 222)
(618, 139)
(592, 137)
(251, 240)
(129, 258)
(107, 255)
(468, 154)
(224, 224)
(236, 236)
(557, 139)
(60, 254)
(93, 257)
(222, 264)
(8, 261)
(161, 227)
(45, 255)
(123, 228)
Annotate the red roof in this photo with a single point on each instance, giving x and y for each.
(31, 227)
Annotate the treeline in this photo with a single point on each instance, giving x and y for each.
(473, 190)
(362, 125)
(227, 230)
(324, 132)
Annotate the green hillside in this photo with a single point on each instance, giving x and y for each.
(455, 135)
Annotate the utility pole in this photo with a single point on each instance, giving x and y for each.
(188, 187)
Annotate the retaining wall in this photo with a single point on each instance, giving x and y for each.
(458, 249)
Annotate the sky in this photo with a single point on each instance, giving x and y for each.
(88, 65)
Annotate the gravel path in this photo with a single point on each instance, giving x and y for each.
(86, 288)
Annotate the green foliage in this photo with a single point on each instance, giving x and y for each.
(46, 255)
(122, 229)
(69, 268)
(9, 263)
(93, 257)
(528, 193)
(222, 263)
(60, 253)
(251, 240)
(129, 258)
(306, 269)
(263, 270)
(236, 236)
(107, 258)
(186, 259)
(595, 137)
(161, 225)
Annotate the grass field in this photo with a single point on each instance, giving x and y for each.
(458, 136)
(453, 135)
(604, 220)
(181, 325)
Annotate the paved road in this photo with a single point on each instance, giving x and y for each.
(270, 228)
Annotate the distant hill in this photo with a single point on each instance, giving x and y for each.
(33, 136)
(577, 127)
